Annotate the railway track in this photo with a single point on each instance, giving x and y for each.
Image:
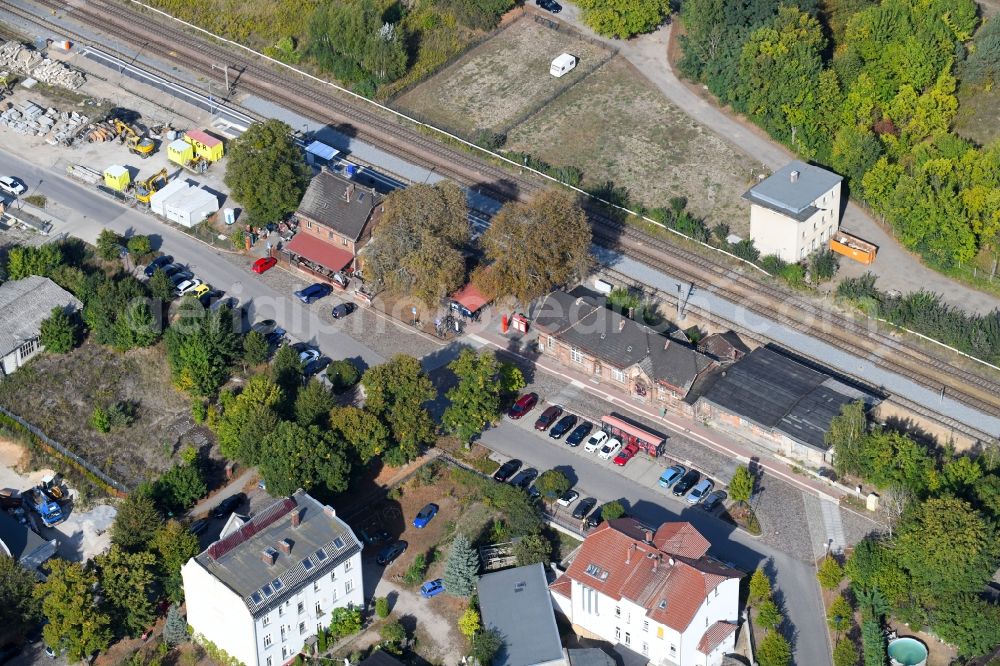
(254, 75)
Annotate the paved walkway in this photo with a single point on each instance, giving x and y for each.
(895, 266)
(230, 489)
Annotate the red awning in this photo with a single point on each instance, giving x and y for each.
(326, 255)
(634, 431)
(469, 298)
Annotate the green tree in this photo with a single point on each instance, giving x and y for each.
(23, 261)
(485, 645)
(774, 650)
(352, 41)
(118, 314)
(845, 653)
(342, 374)
(266, 172)
(624, 18)
(531, 549)
(59, 332)
(175, 628)
(174, 545)
(19, 609)
(160, 286)
(823, 265)
(313, 404)
(840, 616)
(873, 643)
(475, 400)
(139, 246)
(75, 623)
(552, 484)
(830, 573)
(99, 420)
(345, 621)
(127, 584)
(248, 420)
(968, 622)
(255, 349)
(286, 371)
(533, 247)
(396, 393)
(303, 457)
(462, 569)
(874, 565)
(109, 244)
(760, 587)
(136, 522)
(362, 430)
(768, 615)
(179, 488)
(416, 248)
(612, 510)
(202, 350)
(416, 571)
(741, 485)
(846, 437)
(469, 623)
(382, 607)
(393, 636)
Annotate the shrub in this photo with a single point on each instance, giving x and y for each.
(469, 623)
(99, 420)
(199, 410)
(382, 607)
(846, 653)
(415, 573)
(36, 200)
(345, 621)
(612, 510)
(59, 332)
(490, 140)
(760, 587)
(343, 374)
(830, 573)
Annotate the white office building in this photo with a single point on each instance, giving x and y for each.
(260, 592)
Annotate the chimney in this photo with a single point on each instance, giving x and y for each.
(296, 517)
(329, 511)
(628, 553)
(647, 534)
(269, 556)
(656, 561)
(349, 192)
(621, 325)
(794, 176)
(285, 546)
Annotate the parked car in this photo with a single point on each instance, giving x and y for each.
(49, 652)
(549, 5)
(264, 326)
(228, 505)
(579, 433)
(344, 309)
(507, 470)
(568, 498)
(201, 290)
(199, 526)
(12, 186)
(209, 297)
(315, 366)
(525, 478)
(610, 449)
(595, 518)
(687, 481)
(390, 553)
(584, 507)
(160, 262)
(563, 426)
(596, 441)
(173, 269)
(180, 277)
(264, 264)
(425, 516)
(670, 475)
(306, 352)
(548, 417)
(626, 454)
(188, 286)
(698, 493)
(432, 588)
(523, 405)
(713, 500)
(313, 292)
(373, 535)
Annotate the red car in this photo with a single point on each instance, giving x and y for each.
(523, 405)
(626, 454)
(548, 417)
(263, 264)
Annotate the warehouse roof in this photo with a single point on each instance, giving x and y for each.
(24, 304)
(337, 202)
(515, 603)
(793, 189)
(22, 544)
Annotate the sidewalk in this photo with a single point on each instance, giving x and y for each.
(228, 490)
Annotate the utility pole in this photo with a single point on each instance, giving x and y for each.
(225, 71)
(683, 294)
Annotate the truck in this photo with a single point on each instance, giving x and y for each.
(49, 510)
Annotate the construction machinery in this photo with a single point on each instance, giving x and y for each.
(145, 189)
(136, 142)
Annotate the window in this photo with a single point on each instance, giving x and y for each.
(628, 638)
(618, 633)
(645, 648)
(281, 611)
(309, 224)
(618, 611)
(348, 586)
(302, 628)
(307, 564)
(284, 652)
(334, 592)
(347, 566)
(321, 555)
(282, 635)
(552, 342)
(673, 649)
(315, 586)
(575, 355)
(343, 241)
(269, 661)
(338, 543)
(645, 626)
(267, 640)
(319, 610)
(267, 621)
(302, 608)
(618, 375)
(329, 234)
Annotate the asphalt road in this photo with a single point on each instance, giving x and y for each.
(795, 581)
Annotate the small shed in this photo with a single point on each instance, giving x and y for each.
(190, 207)
(117, 178)
(205, 145)
(180, 152)
(468, 300)
(160, 196)
(562, 64)
(319, 153)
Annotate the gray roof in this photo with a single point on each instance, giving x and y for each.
(23, 544)
(380, 658)
(24, 304)
(319, 543)
(779, 392)
(794, 199)
(589, 657)
(516, 604)
(324, 202)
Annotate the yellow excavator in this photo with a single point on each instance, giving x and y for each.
(145, 189)
(137, 144)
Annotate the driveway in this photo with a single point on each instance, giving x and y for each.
(896, 267)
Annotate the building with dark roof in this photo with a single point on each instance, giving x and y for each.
(609, 347)
(515, 603)
(24, 305)
(20, 543)
(336, 218)
(723, 347)
(655, 592)
(261, 592)
(795, 211)
(780, 402)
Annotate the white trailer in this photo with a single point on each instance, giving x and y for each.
(562, 64)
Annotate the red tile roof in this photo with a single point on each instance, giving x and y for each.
(714, 635)
(315, 250)
(563, 586)
(203, 138)
(667, 576)
(470, 298)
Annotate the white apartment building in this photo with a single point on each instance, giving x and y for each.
(656, 593)
(262, 590)
(795, 211)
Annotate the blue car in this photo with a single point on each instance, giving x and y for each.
(313, 292)
(425, 516)
(579, 433)
(160, 262)
(432, 588)
(670, 476)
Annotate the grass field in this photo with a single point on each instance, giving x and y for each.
(616, 126)
(978, 116)
(497, 84)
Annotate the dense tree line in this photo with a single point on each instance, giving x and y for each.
(867, 89)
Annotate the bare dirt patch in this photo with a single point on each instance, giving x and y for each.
(497, 84)
(58, 393)
(615, 126)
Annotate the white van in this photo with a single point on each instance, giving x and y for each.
(562, 64)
